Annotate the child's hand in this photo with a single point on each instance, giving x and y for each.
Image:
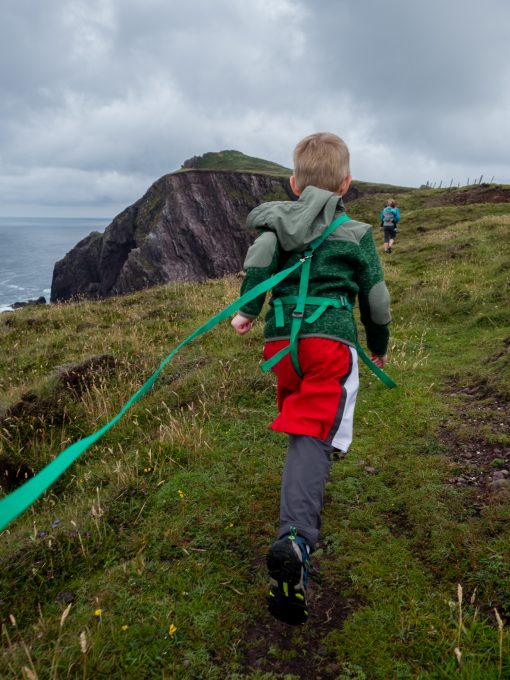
(241, 324)
(380, 362)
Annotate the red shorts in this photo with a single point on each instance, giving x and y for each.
(321, 403)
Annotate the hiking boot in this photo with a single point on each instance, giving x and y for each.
(289, 566)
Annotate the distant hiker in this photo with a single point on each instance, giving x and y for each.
(390, 216)
(317, 388)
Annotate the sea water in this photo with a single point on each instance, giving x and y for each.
(29, 248)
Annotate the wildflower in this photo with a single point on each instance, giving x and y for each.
(229, 525)
(181, 493)
(124, 627)
(171, 630)
(98, 612)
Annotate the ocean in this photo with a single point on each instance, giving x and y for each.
(29, 248)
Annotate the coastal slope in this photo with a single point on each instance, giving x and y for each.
(189, 226)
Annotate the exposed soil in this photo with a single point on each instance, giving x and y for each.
(71, 378)
(13, 474)
(270, 646)
(482, 193)
(482, 463)
(33, 413)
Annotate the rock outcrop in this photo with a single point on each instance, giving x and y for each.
(189, 225)
(39, 301)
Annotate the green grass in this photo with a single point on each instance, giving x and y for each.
(234, 161)
(156, 537)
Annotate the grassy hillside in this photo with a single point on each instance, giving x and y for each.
(146, 559)
(234, 161)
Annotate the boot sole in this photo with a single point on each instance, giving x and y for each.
(285, 568)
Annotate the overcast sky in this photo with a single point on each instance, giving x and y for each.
(99, 98)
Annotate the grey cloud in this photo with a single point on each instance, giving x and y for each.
(433, 75)
(107, 95)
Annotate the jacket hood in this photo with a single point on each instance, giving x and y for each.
(297, 223)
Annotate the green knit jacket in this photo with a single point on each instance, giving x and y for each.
(346, 264)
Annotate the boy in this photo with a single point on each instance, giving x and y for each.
(315, 393)
(390, 215)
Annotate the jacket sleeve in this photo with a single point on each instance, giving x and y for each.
(260, 263)
(373, 297)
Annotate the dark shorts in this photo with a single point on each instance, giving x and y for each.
(389, 234)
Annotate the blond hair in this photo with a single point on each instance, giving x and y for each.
(321, 160)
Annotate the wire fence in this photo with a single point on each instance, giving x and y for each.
(439, 185)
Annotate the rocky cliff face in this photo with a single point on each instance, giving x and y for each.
(189, 225)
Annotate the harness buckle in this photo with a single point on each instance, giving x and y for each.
(298, 315)
(306, 256)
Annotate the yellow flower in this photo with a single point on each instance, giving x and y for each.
(172, 629)
(98, 612)
(181, 493)
(124, 627)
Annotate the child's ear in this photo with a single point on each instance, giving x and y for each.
(344, 187)
(294, 186)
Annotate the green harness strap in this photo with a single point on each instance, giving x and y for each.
(322, 303)
(18, 501)
(299, 310)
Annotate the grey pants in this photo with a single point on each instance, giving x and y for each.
(303, 482)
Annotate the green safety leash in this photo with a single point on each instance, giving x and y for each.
(19, 500)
